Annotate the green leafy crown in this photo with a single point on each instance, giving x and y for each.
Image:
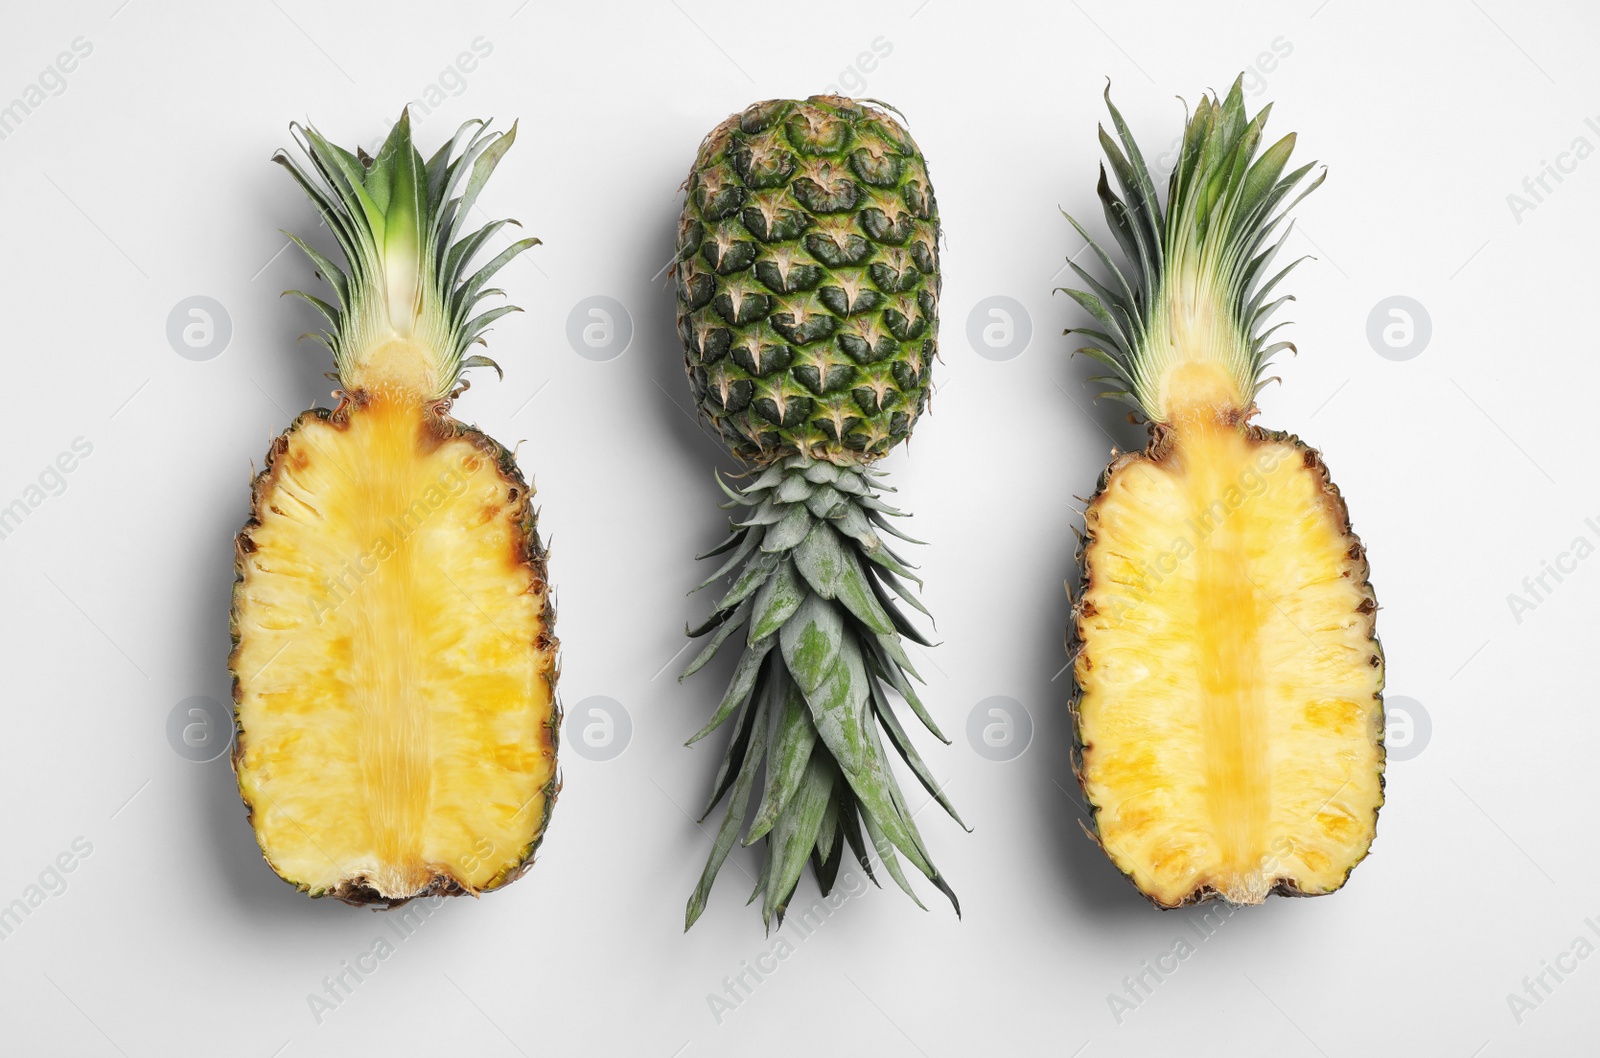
(398, 221)
(1195, 283)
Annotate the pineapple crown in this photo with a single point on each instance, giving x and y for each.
(1191, 303)
(403, 318)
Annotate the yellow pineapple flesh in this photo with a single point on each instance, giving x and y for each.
(1230, 707)
(394, 658)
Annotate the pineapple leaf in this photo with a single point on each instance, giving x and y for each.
(791, 736)
(908, 752)
(729, 626)
(889, 527)
(777, 601)
(886, 856)
(481, 361)
(811, 642)
(795, 835)
(733, 752)
(470, 292)
(747, 582)
(823, 647)
(728, 832)
(794, 488)
(747, 539)
(821, 472)
(321, 306)
(850, 824)
(788, 530)
(396, 223)
(739, 688)
(1198, 258)
(734, 539)
(829, 844)
(329, 271)
(897, 679)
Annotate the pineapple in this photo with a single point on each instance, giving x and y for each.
(1229, 701)
(394, 661)
(807, 279)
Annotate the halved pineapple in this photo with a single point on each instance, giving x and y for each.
(1229, 710)
(394, 665)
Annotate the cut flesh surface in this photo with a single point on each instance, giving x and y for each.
(394, 665)
(1230, 707)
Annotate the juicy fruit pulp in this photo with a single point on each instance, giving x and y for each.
(1229, 680)
(807, 277)
(394, 660)
(1230, 689)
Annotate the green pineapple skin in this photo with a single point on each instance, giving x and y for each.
(807, 280)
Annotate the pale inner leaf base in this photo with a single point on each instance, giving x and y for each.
(1229, 705)
(392, 690)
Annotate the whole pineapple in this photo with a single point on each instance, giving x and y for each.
(1229, 678)
(394, 660)
(807, 281)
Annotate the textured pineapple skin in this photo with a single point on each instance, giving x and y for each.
(1080, 643)
(357, 890)
(807, 280)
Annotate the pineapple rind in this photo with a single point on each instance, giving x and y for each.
(815, 598)
(807, 277)
(1080, 648)
(357, 890)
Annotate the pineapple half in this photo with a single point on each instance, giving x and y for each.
(1229, 701)
(394, 662)
(807, 283)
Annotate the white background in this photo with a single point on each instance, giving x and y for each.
(146, 181)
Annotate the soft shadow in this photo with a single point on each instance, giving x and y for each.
(692, 444)
(675, 414)
(295, 380)
(1092, 880)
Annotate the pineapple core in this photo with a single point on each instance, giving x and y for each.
(393, 660)
(1230, 710)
